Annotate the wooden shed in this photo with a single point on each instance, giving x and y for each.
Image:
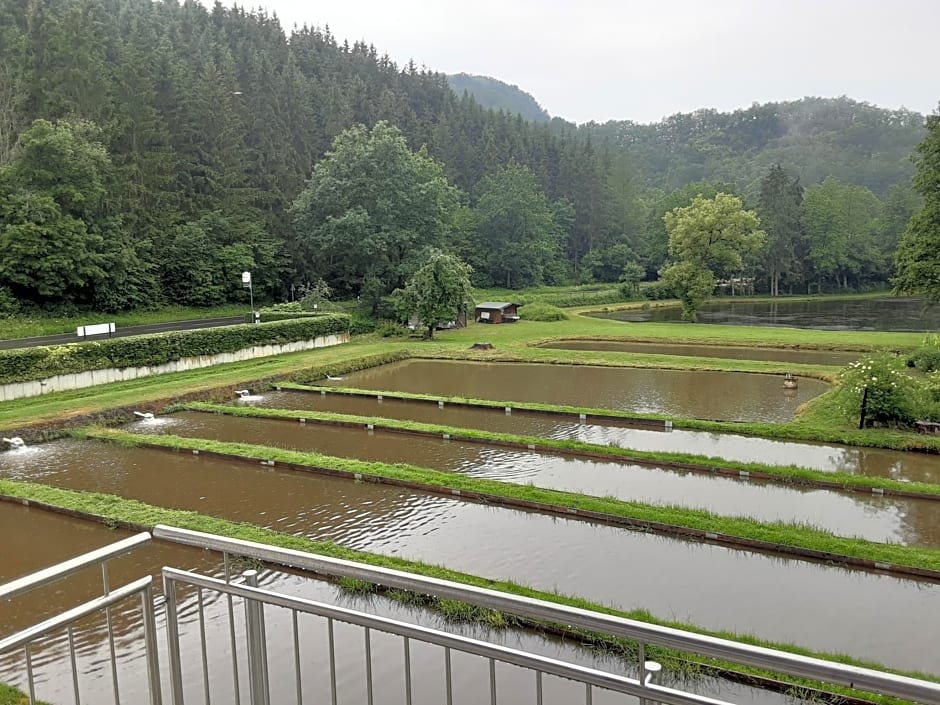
(497, 312)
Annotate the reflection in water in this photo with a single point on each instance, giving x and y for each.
(818, 606)
(808, 357)
(52, 538)
(914, 467)
(887, 314)
(873, 518)
(728, 396)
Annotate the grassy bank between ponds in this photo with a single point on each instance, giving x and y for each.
(782, 538)
(126, 513)
(532, 353)
(787, 475)
(818, 420)
(61, 409)
(14, 696)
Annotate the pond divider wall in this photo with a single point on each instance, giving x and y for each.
(91, 378)
(701, 535)
(627, 421)
(601, 454)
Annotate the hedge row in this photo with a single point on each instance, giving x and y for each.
(272, 316)
(27, 364)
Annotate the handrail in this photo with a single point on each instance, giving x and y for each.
(83, 610)
(724, 649)
(523, 659)
(42, 577)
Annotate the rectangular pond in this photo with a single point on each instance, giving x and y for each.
(816, 605)
(725, 396)
(875, 518)
(839, 358)
(828, 457)
(889, 313)
(37, 539)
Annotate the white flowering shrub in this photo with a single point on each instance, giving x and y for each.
(893, 395)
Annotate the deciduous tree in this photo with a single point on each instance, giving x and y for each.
(708, 239)
(370, 204)
(918, 255)
(437, 292)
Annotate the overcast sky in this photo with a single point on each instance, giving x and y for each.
(626, 59)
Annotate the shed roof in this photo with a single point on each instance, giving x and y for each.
(497, 305)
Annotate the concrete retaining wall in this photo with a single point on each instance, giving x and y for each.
(79, 380)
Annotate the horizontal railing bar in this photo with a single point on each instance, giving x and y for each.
(17, 587)
(702, 645)
(29, 634)
(504, 654)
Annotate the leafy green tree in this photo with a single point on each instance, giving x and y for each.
(841, 223)
(918, 255)
(654, 241)
(781, 214)
(631, 276)
(707, 240)
(517, 236)
(370, 204)
(59, 242)
(437, 292)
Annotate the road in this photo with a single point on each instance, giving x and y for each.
(121, 332)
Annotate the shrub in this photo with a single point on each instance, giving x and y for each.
(657, 291)
(927, 357)
(26, 364)
(893, 396)
(540, 311)
(391, 329)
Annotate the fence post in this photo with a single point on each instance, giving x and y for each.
(651, 671)
(173, 642)
(257, 651)
(150, 641)
(861, 420)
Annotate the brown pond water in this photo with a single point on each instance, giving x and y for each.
(906, 521)
(899, 465)
(726, 396)
(819, 606)
(34, 539)
(807, 357)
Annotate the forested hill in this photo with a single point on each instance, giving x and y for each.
(152, 151)
(496, 95)
(814, 138)
(190, 131)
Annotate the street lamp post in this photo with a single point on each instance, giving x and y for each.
(246, 283)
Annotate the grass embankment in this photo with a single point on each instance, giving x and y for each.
(795, 539)
(29, 325)
(152, 393)
(819, 419)
(788, 475)
(13, 696)
(131, 514)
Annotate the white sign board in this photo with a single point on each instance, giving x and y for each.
(485, 315)
(246, 278)
(96, 329)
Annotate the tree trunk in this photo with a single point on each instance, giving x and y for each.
(430, 332)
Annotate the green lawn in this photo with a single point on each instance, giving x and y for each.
(27, 326)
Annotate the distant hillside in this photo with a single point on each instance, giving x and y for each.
(494, 94)
(814, 137)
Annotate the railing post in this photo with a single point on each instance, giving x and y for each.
(257, 651)
(150, 644)
(651, 672)
(173, 641)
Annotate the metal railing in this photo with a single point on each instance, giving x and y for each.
(26, 638)
(777, 662)
(248, 652)
(255, 598)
